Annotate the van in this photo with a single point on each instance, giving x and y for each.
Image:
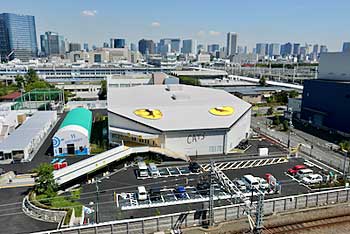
(141, 193)
(251, 182)
(304, 172)
(153, 170)
(143, 171)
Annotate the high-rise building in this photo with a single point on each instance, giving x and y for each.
(167, 45)
(146, 46)
(86, 47)
(286, 49)
(274, 49)
(323, 49)
(231, 43)
(74, 47)
(200, 48)
(117, 43)
(105, 45)
(296, 49)
(189, 46)
(261, 49)
(346, 47)
(213, 48)
(52, 44)
(133, 47)
(17, 37)
(315, 49)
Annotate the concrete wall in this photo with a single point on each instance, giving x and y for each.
(200, 142)
(238, 132)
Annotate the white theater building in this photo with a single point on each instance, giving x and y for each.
(187, 120)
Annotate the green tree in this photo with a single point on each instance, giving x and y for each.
(45, 182)
(102, 95)
(345, 145)
(269, 111)
(285, 125)
(293, 94)
(20, 81)
(276, 120)
(262, 81)
(31, 76)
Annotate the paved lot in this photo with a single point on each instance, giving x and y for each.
(126, 181)
(12, 219)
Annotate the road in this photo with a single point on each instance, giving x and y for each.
(12, 218)
(319, 150)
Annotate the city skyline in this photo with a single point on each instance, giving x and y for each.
(87, 21)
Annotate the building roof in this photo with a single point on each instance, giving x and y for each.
(182, 107)
(80, 117)
(24, 135)
(11, 96)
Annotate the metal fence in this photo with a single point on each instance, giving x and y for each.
(196, 217)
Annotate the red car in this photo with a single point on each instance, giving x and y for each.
(295, 169)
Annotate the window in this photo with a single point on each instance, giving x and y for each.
(60, 150)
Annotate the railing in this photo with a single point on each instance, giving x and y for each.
(221, 214)
(47, 215)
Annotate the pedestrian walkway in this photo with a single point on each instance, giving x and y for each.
(246, 164)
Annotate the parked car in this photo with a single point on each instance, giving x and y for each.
(180, 192)
(250, 182)
(263, 183)
(295, 169)
(153, 170)
(203, 188)
(141, 193)
(312, 179)
(304, 172)
(143, 170)
(155, 193)
(194, 167)
(240, 185)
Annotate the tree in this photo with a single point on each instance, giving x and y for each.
(102, 95)
(276, 120)
(31, 76)
(45, 182)
(293, 94)
(269, 111)
(285, 125)
(20, 82)
(262, 81)
(345, 145)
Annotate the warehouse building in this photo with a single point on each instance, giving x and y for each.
(73, 135)
(326, 100)
(187, 120)
(22, 143)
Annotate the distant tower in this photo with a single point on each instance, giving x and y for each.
(231, 43)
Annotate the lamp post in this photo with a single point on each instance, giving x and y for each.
(97, 214)
(290, 112)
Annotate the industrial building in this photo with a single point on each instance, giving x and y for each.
(326, 100)
(73, 135)
(187, 120)
(21, 144)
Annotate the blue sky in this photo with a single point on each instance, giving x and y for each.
(95, 21)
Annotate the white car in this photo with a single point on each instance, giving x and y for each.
(263, 183)
(141, 193)
(312, 179)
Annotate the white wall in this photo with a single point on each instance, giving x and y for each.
(238, 132)
(120, 122)
(199, 142)
(334, 66)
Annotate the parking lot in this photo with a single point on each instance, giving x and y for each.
(119, 199)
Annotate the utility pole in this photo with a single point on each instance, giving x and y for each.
(211, 194)
(259, 213)
(344, 165)
(290, 113)
(97, 215)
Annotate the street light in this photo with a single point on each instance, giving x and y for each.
(97, 214)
